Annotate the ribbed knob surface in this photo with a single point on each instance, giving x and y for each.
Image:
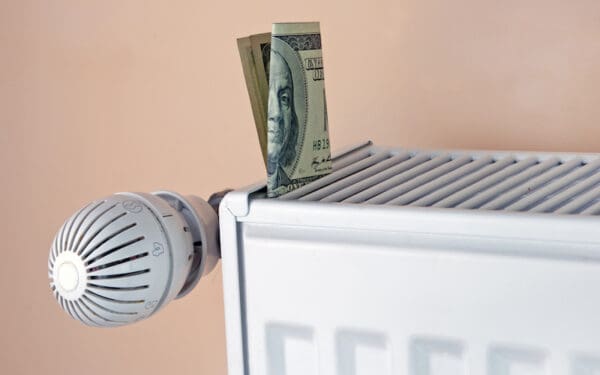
(111, 263)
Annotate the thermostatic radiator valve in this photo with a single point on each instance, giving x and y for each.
(122, 258)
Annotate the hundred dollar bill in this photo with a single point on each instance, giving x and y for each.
(298, 137)
(255, 52)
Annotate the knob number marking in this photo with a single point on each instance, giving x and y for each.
(133, 206)
(157, 249)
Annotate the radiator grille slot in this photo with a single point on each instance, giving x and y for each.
(528, 182)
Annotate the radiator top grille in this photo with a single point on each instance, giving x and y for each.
(528, 182)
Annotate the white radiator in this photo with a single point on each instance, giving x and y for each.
(421, 263)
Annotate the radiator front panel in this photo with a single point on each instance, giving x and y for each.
(323, 301)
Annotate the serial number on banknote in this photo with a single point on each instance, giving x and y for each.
(321, 144)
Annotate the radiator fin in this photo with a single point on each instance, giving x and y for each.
(529, 182)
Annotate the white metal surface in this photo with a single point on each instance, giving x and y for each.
(403, 284)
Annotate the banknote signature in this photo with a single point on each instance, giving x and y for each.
(321, 164)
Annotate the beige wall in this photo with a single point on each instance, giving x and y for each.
(143, 95)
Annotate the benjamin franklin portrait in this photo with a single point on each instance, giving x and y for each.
(282, 122)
